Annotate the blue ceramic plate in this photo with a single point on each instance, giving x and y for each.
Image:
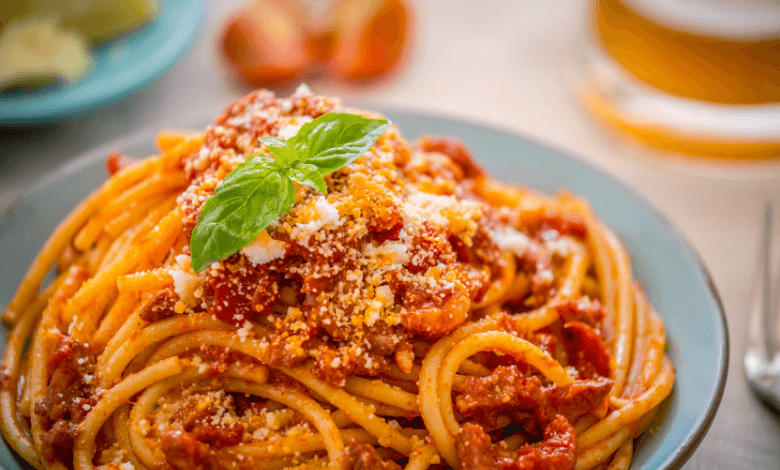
(664, 261)
(121, 67)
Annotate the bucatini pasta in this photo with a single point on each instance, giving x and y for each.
(418, 314)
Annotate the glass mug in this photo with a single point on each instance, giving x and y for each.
(694, 78)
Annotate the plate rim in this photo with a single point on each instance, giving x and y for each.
(13, 112)
(703, 423)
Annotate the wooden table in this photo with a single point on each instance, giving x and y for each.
(515, 64)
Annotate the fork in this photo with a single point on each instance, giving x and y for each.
(762, 360)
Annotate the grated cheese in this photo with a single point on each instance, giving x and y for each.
(185, 284)
(385, 295)
(560, 246)
(243, 332)
(388, 219)
(327, 214)
(394, 254)
(444, 211)
(184, 261)
(372, 313)
(546, 275)
(303, 90)
(507, 238)
(264, 249)
(291, 129)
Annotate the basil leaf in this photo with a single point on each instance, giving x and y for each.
(248, 200)
(309, 175)
(284, 155)
(335, 140)
(261, 190)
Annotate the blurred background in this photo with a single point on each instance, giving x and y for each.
(680, 98)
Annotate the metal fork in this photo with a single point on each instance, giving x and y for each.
(762, 360)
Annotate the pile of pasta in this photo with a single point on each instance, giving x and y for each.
(124, 378)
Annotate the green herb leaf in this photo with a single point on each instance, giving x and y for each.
(309, 175)
(261, 190)
(335, 140)
(283, 154)
(248, 200)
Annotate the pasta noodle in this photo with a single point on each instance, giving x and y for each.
(419, 314)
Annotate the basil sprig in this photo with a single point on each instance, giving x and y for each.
(260, 190)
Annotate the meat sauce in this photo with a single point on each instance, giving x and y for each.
(115, 162)
(183, 451)
(507, 389)
(160, 307)
(402, 247)
(240, 291)
(68, 398)
(342, 322)
(196, 418)
(365, 457)
(216, 360)
(557, 451)
(544, 411)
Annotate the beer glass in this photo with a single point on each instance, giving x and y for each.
(688, 81)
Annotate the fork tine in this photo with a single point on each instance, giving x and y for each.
(761, 364)
(773, 329)
(774, 311)
(765, 263)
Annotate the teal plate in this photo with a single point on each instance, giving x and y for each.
(121, 67)
(672, 274)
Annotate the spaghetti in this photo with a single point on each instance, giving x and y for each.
(419, 314)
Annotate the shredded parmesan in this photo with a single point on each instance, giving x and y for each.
(184, 261)
(264, 249)
(560, 246)
(303, 90)
(512, 240)
(185, 284)
(546, 275)
(398, 216)
(243, 332)
(293, 126)
(459, 215)
(390, 253)
(385, 295)
(327, 215)
(289, 131)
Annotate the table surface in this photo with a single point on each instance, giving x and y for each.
(513, 64)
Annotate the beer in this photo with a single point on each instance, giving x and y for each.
(692, 77)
